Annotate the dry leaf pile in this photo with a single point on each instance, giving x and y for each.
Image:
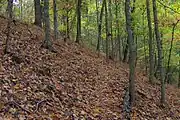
(72, 84)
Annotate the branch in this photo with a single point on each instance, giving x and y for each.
(168, 7)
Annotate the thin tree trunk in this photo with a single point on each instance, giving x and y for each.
(78, 36)
(179, 76)
(107, 31)
(118, 32)
(169, 58)
(42, 13)
(150, 41)
(9, 14)
(37, 6)
(110, 28)
(55, 20)
(132, 52)
(145, 56)
(67, 25)
(100, 26)
(125, 52)
(159, 47)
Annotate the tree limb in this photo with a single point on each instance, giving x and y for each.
(168, 7)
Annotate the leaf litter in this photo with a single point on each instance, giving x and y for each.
(72, 84)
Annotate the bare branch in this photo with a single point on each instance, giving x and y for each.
(168, 7)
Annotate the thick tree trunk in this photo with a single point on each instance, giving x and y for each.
(150, 41)
(78, 36)
(37, 6)
(55, 20)
(132, 52)
(159, 47)
(47, 42)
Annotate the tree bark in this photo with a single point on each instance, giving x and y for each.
(78, 36)
(38, 18)
(125, 52)
(107, 31)
(9, 14)
(118, 32)
(55, 20)
(159, 47)
(110, 28)
(100, 25)
(169, 57)
(150, 41)
(132, 52)
(47, 42)
(179, 76)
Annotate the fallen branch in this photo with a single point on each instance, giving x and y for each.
(18, 105)
(39, 103)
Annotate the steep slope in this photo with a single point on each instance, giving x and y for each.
(73, 83)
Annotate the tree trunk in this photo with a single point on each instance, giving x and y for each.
(132, 52)
(169, 58)
(37, 6)
(179, 76)
(9, 14)
(9, 9)
(78, 36)
(107, 31)
(55, 20)
(125, 52)
(110, 28)
(67, 25)
(150, 41)
(159, 47)
(100, 25)
(118, 32)
(47, 42)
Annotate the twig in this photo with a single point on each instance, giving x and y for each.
(18, 105)
(39, 103)
(168, 7)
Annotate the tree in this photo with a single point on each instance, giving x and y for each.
(78, 10)
(170, 50)
(151, 52)
(118, 31)
(107, 30)
(110, 28)
(127, 42)
(38, 18)
(179, 76)
(9, 14)
(159, 48)
(55, 20)
(47, 42)
(99, 22)
(132, 52)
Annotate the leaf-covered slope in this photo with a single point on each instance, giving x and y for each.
(73, 83)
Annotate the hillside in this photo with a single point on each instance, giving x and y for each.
(73, 83)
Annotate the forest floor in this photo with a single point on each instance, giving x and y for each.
(72, 84)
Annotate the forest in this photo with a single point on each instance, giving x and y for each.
(90, 59)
